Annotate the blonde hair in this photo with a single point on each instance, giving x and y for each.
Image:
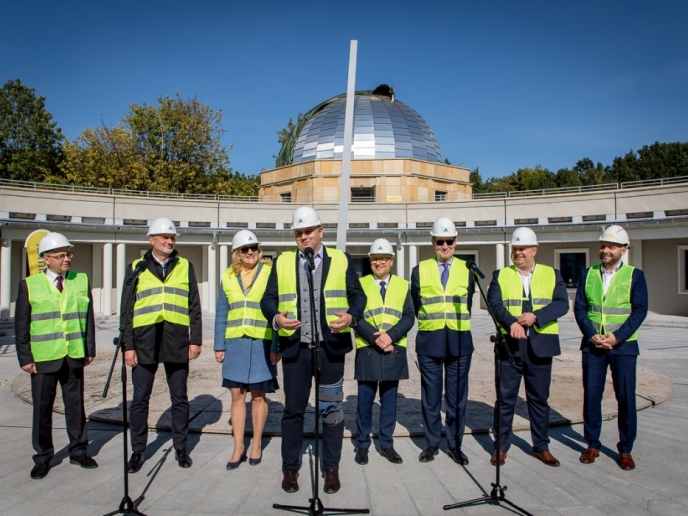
(236, 262)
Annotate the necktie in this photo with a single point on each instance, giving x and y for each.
(60, 279)
(383, 289)
(445, 275)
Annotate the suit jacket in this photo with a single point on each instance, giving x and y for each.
(445, 341)
(372, 364)
(639, 303)
(335, 343)
(164, 342)
(542, 345)
(22, 328)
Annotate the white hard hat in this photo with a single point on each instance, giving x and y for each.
(52, 241)
(244, 238)
(381, 246)
(443, 227)
(305, 217)
(162, 226)
(524, 237)
(615, 235)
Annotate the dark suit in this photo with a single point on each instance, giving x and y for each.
(377, 369)
(622, 361)
(533, 362)
(163, 342)
(445, 352)
(297, 363)
(68, 372)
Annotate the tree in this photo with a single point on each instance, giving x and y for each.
(476, 181)
(174, 146)
(30, 142)
(286, 137)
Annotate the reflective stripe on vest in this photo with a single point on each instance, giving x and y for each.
(58, 333)
(384, 315)
(334, 290)
(245, 316)
(158, 301)
(541, 291)
(608, 313)
(448, 307)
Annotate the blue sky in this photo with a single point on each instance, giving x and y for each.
(503, 84)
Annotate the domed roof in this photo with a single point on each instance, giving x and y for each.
(383, 128)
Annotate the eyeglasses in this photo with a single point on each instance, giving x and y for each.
(61, 257)
(384, 259)
(440, 243)
(245, 250)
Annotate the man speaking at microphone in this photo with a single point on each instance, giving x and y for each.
(339, 304)
(164, 326)
(527, 299)
(442, 290)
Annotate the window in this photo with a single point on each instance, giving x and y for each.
(570, 263)
(363, 194)
(440, 196)
(286, 197)
(683, 269)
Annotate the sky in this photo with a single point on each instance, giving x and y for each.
(503, 84)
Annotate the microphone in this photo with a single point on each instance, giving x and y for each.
(470, 264)
(308, 253)
(140, 267)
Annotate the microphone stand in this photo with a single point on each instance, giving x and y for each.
(126, 506)
(315, 506)
(501, 349)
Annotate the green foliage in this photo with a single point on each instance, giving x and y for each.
(174, 146)
(30, 142)
(287, 137)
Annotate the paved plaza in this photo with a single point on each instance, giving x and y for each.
(657, 486)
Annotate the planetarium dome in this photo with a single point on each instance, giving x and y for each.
(383, 128)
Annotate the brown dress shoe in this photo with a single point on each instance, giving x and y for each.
(290, 482)
(547, 458)
(589, 456)
(626, 462)
(502, 458)
(332, 484)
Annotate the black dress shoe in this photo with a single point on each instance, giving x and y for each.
(428, 454)
(457, 456)
(40, 470)
(391, 455)
(182, 458)
(135, 462)
(84, 461)
(361, 456)
(234, 465)
(290, 481)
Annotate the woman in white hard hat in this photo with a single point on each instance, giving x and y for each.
(243, 340)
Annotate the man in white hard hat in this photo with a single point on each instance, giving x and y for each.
(611, 304)
(339, 304)
(442, 292)
(55, 339)
(527, 299)
(381, 350)
(164, 326)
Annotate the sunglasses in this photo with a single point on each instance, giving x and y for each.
(442, 242)
(245, 250)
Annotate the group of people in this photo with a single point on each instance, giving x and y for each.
(267, 312)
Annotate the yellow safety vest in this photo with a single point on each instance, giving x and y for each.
(443, 308)
(541, 292)
(384, 315)
(608, 313)
(334, 290)
(58, 320)
(245, 316)
(158, 301)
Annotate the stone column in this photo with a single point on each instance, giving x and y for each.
(413, 258)
(223, 259)
(401, 271)
(212, 278)
(5, 277)
(499, 256)
(121, 271)
(107, 280)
